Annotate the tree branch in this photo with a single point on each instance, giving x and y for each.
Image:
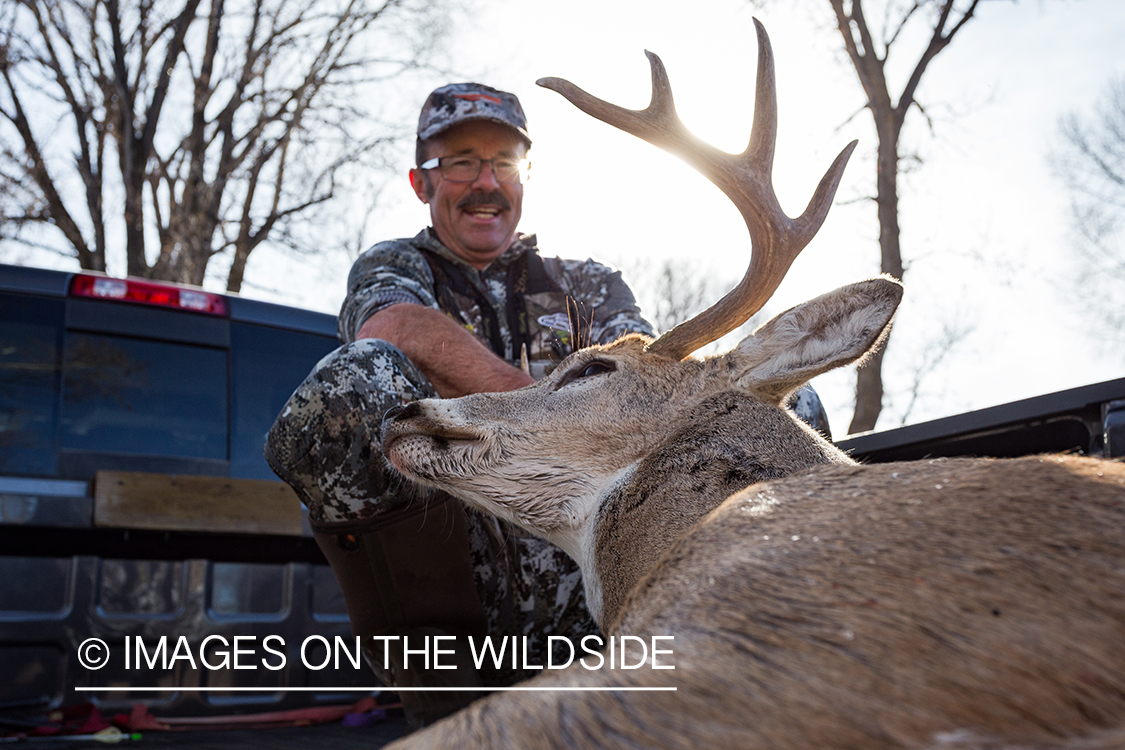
(938, 42)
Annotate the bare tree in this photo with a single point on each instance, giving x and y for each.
(190, 128)
(870, 51)
(1090, 160)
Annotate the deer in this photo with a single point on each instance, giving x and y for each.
(814, 602)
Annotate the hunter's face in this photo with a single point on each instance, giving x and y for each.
(476, 220)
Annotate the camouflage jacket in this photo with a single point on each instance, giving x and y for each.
(423, 271)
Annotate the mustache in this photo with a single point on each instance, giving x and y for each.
(494, 198)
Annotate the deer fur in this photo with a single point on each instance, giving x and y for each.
(814, 602)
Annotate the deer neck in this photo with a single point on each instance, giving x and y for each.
(728, 441)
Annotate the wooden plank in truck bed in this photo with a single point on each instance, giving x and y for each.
(177, 502)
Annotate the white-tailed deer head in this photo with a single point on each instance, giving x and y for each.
(548, 456)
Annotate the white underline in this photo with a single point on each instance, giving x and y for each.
(514, 688)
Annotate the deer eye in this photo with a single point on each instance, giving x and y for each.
(597, 367)
(588, 370)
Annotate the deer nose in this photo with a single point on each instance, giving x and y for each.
(402, 412)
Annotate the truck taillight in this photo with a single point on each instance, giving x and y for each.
(148, 293)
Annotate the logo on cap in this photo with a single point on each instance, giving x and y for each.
(478, 97)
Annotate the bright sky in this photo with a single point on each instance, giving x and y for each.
(984, 221)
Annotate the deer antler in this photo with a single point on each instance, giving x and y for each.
(746, 178)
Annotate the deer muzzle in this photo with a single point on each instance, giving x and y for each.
(421, 444)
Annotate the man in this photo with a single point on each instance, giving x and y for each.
(446, 313)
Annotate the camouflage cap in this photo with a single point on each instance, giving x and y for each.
(462, 102)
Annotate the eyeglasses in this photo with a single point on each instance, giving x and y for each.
(467, 168)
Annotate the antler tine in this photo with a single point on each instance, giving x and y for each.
(658, 123)
(763, 128)
(746, 178)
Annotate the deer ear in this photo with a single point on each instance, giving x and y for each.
(830, 331)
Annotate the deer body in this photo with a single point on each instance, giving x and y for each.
(947, 603)
(814, 603)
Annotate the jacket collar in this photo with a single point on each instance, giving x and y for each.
(523, 243)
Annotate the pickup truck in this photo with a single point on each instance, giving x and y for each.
(135, 504)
